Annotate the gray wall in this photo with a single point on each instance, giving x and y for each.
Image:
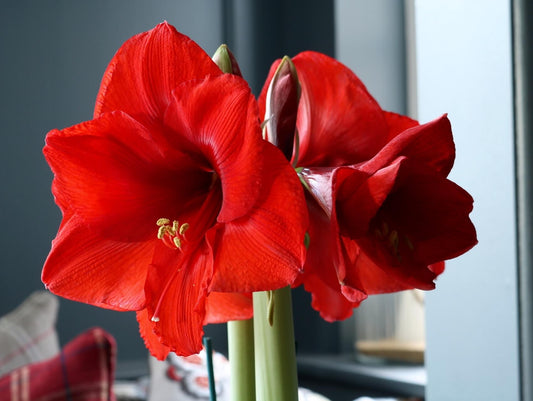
(53, 54)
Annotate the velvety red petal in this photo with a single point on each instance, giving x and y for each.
(85, 267)
(176, 291)
(358, 197)
(320, 276)
(329, 301)
(437, 268)
(142, 74)
(339, 122)
(362, 275)
(265, 249)
(398, 123)
(224, 307)
(430, 144)
(151, 340)
(217, 119)
(423, 221)
(111, 173)
(434, 212)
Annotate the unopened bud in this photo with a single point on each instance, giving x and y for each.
(226, 61)
(282, 99)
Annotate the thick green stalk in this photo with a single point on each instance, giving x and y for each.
(275, 356)
(241, 359)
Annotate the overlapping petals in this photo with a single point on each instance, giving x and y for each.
(170, 195)
(140, 78)
(383, 215)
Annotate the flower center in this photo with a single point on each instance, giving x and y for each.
(173, 234)
(392, 239)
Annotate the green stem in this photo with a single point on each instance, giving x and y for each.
(241, 359)
(275, 356)
(210, 370)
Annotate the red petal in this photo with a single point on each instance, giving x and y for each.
(427, 213)
(142, 74)
(265, 249)
(329, 301)
(434, 211)
(320, 277)
(218, 119)
(176, 291)
(116, 176)
(360, 274)
(398, 123)
(430, 144)
(338, 120)
(85, 267)
(223, 307)
(358, 197)
(151, 340)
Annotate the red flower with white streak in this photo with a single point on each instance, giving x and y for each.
(170, 194)
(383, 216)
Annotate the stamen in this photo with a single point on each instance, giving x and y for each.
(171, 235)
(155, 319)
(161, 232)
(184, 227)
(175, 227)
(163, 221)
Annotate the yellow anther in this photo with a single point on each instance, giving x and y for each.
(175, 231)
(163, 222)
(175, 227)
(184, 227)
(161, 232)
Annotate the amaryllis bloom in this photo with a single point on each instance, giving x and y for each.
(383, 215)
(171, 199)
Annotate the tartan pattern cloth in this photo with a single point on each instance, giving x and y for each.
(82, 371)
(28, 334)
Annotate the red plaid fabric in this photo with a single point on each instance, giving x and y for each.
(83, 371)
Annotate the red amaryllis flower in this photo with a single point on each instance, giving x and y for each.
(383, 215)
(170, 194)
